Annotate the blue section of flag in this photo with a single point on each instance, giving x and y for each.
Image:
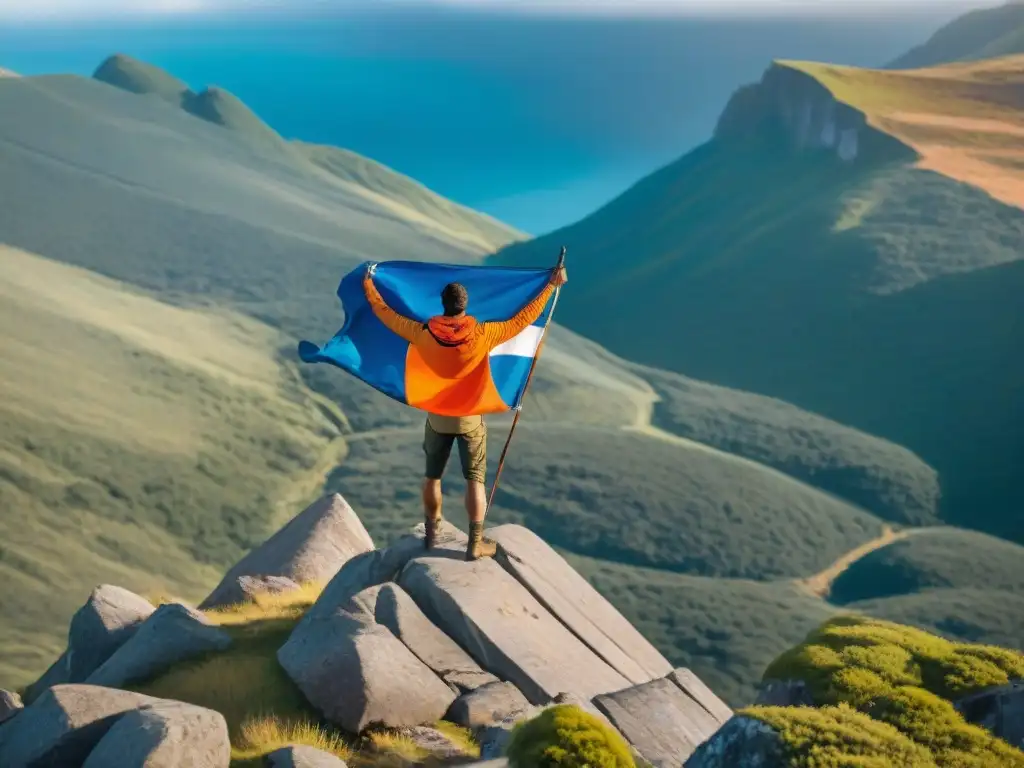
(509, 373)
(365, 348)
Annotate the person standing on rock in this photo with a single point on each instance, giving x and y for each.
(451, 346)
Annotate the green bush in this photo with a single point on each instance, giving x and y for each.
(568, 737)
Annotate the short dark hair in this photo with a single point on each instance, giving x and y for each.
(454, 298)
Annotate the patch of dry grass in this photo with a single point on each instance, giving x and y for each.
(245, 683)
(263, 708)
(261, 736)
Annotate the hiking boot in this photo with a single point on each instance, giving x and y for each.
(478, 545)
(430, 528)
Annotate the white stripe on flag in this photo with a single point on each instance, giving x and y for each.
(523, 345)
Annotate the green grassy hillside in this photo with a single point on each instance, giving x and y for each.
(626, 497)
(805, 254)
(142, 78)
(933, 559)
(141, 443)
(980, 34)
(156, 423)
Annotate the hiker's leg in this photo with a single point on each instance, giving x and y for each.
(436, 448)
(431, 499)
(476, 501)
(473, 456)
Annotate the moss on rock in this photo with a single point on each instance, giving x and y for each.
(568, 737)
(830, 737)
(894, 675)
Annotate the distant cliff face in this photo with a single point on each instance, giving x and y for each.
(792, 104)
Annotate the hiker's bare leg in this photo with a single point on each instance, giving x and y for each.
(432, 499)
(431, 510)
(476, 501)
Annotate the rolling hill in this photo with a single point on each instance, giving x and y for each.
(159, 262)
(981, 34)
(849, 242)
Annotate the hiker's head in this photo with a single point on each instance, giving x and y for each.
(454, 299)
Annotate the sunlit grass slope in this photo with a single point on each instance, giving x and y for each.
(966, 120)
(140, 444)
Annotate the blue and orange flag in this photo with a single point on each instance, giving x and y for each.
(378, 355)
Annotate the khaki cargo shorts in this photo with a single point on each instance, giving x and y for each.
(472, 452)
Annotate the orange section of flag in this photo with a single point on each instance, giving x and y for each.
(472, 394)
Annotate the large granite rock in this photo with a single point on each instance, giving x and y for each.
(167, 734)
(660, 719)
(488, 705)
(742, 741)
(303, 757)
(695, 688)
(580, 607)
(310, 548)
(108, 619)
(1000, 710)
(56, 674)
(391, 607)
(503, 627)
(10, 705)
(64, 724)
(380, 566)
(358, 674)
(174, 633)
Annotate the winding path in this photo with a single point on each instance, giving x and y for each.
(820, 584)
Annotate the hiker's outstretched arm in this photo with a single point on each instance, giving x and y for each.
(403, 326)
(499, 333)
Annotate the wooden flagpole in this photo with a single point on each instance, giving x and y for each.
(529, 376)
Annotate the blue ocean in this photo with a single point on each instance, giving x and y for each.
(537, 120)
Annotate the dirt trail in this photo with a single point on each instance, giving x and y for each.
(820, 584)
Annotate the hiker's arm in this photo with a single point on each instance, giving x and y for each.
(499, 333)
(403, 326)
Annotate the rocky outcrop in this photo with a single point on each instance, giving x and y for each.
(64, 724)
(489, 705)
(742, 741)
(303, 757)
(790, 103)
(400, 638)
(661, 719)
(10, 705)
(358, 674)
(174, 633)
(378, 567)
(695, 688)
(1000, 710)
(108, 619)
(312, 547)
(574, 602)
(167, 734)
(505, 629)
(390, 606)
